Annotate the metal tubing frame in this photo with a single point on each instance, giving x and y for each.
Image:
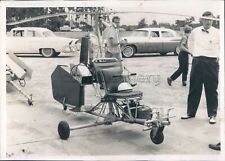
(29, 97)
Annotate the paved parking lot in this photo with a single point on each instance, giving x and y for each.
(32, 131)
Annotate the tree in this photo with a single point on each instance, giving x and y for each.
(55, 23)
(16, 14)
(180, 23)
(142, 23)
(154, 23)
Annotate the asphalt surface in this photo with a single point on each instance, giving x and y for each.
(32, 130)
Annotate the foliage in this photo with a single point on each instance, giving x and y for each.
(142, 23)
(84, 22)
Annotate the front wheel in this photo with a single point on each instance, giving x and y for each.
(64, 130)
(47, 52)
(157, 136)
(128, 51)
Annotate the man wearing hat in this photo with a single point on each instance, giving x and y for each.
(203, 43)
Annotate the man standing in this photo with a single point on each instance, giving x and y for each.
(112, 40)
(183, 58)
(203, 43)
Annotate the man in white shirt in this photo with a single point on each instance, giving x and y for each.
(112, 39)
(203, 43)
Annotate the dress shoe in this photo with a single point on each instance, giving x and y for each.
(184, 83)
(169, 81)
(212, 120)
(186, 117)
(214, 146)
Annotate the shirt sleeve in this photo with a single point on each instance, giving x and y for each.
(184, 40)
(190, 42)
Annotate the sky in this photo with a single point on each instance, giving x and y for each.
(180, 7)
(192, 8)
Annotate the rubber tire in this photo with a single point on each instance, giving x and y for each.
(176, 51)
(163, 54)
(63, 130)
(56, 54)
(47, 52)
(132, 50)
(158, 139)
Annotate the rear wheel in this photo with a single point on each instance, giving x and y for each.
(128, 51)
(64, 130)
(56, 54)
(47, 52)
(177, 51)
(163, 54)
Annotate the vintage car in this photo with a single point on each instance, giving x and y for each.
(150, 40)
(38, 40)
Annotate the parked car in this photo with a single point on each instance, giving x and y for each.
(150, 40)
(38, 40)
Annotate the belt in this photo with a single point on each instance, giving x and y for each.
(204, 57)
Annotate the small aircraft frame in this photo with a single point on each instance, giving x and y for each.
(16, 70)
(118, 103)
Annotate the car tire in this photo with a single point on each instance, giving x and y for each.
(176, 51)
(47, 52)
(56, 54)
(163, 54)
(128, 51)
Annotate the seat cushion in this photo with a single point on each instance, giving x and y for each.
(125, 94)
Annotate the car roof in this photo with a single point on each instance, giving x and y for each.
(30, 28)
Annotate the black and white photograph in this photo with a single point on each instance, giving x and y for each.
(112, 80)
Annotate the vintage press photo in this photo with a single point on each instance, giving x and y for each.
(65, 98)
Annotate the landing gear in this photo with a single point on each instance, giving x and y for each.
(157, 135)
(64, 130)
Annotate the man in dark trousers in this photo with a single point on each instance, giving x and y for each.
(183, 59)
(203, 43)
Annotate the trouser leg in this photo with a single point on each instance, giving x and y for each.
(185, 68)
(210, 85)
(178, 72)
(195, 89)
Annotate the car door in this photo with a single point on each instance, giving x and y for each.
(17, 41)
(34, 40)
(170, 41)
(154, 43)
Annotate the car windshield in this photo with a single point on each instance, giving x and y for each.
(48, 33)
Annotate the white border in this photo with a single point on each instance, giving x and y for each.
(2, 82)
